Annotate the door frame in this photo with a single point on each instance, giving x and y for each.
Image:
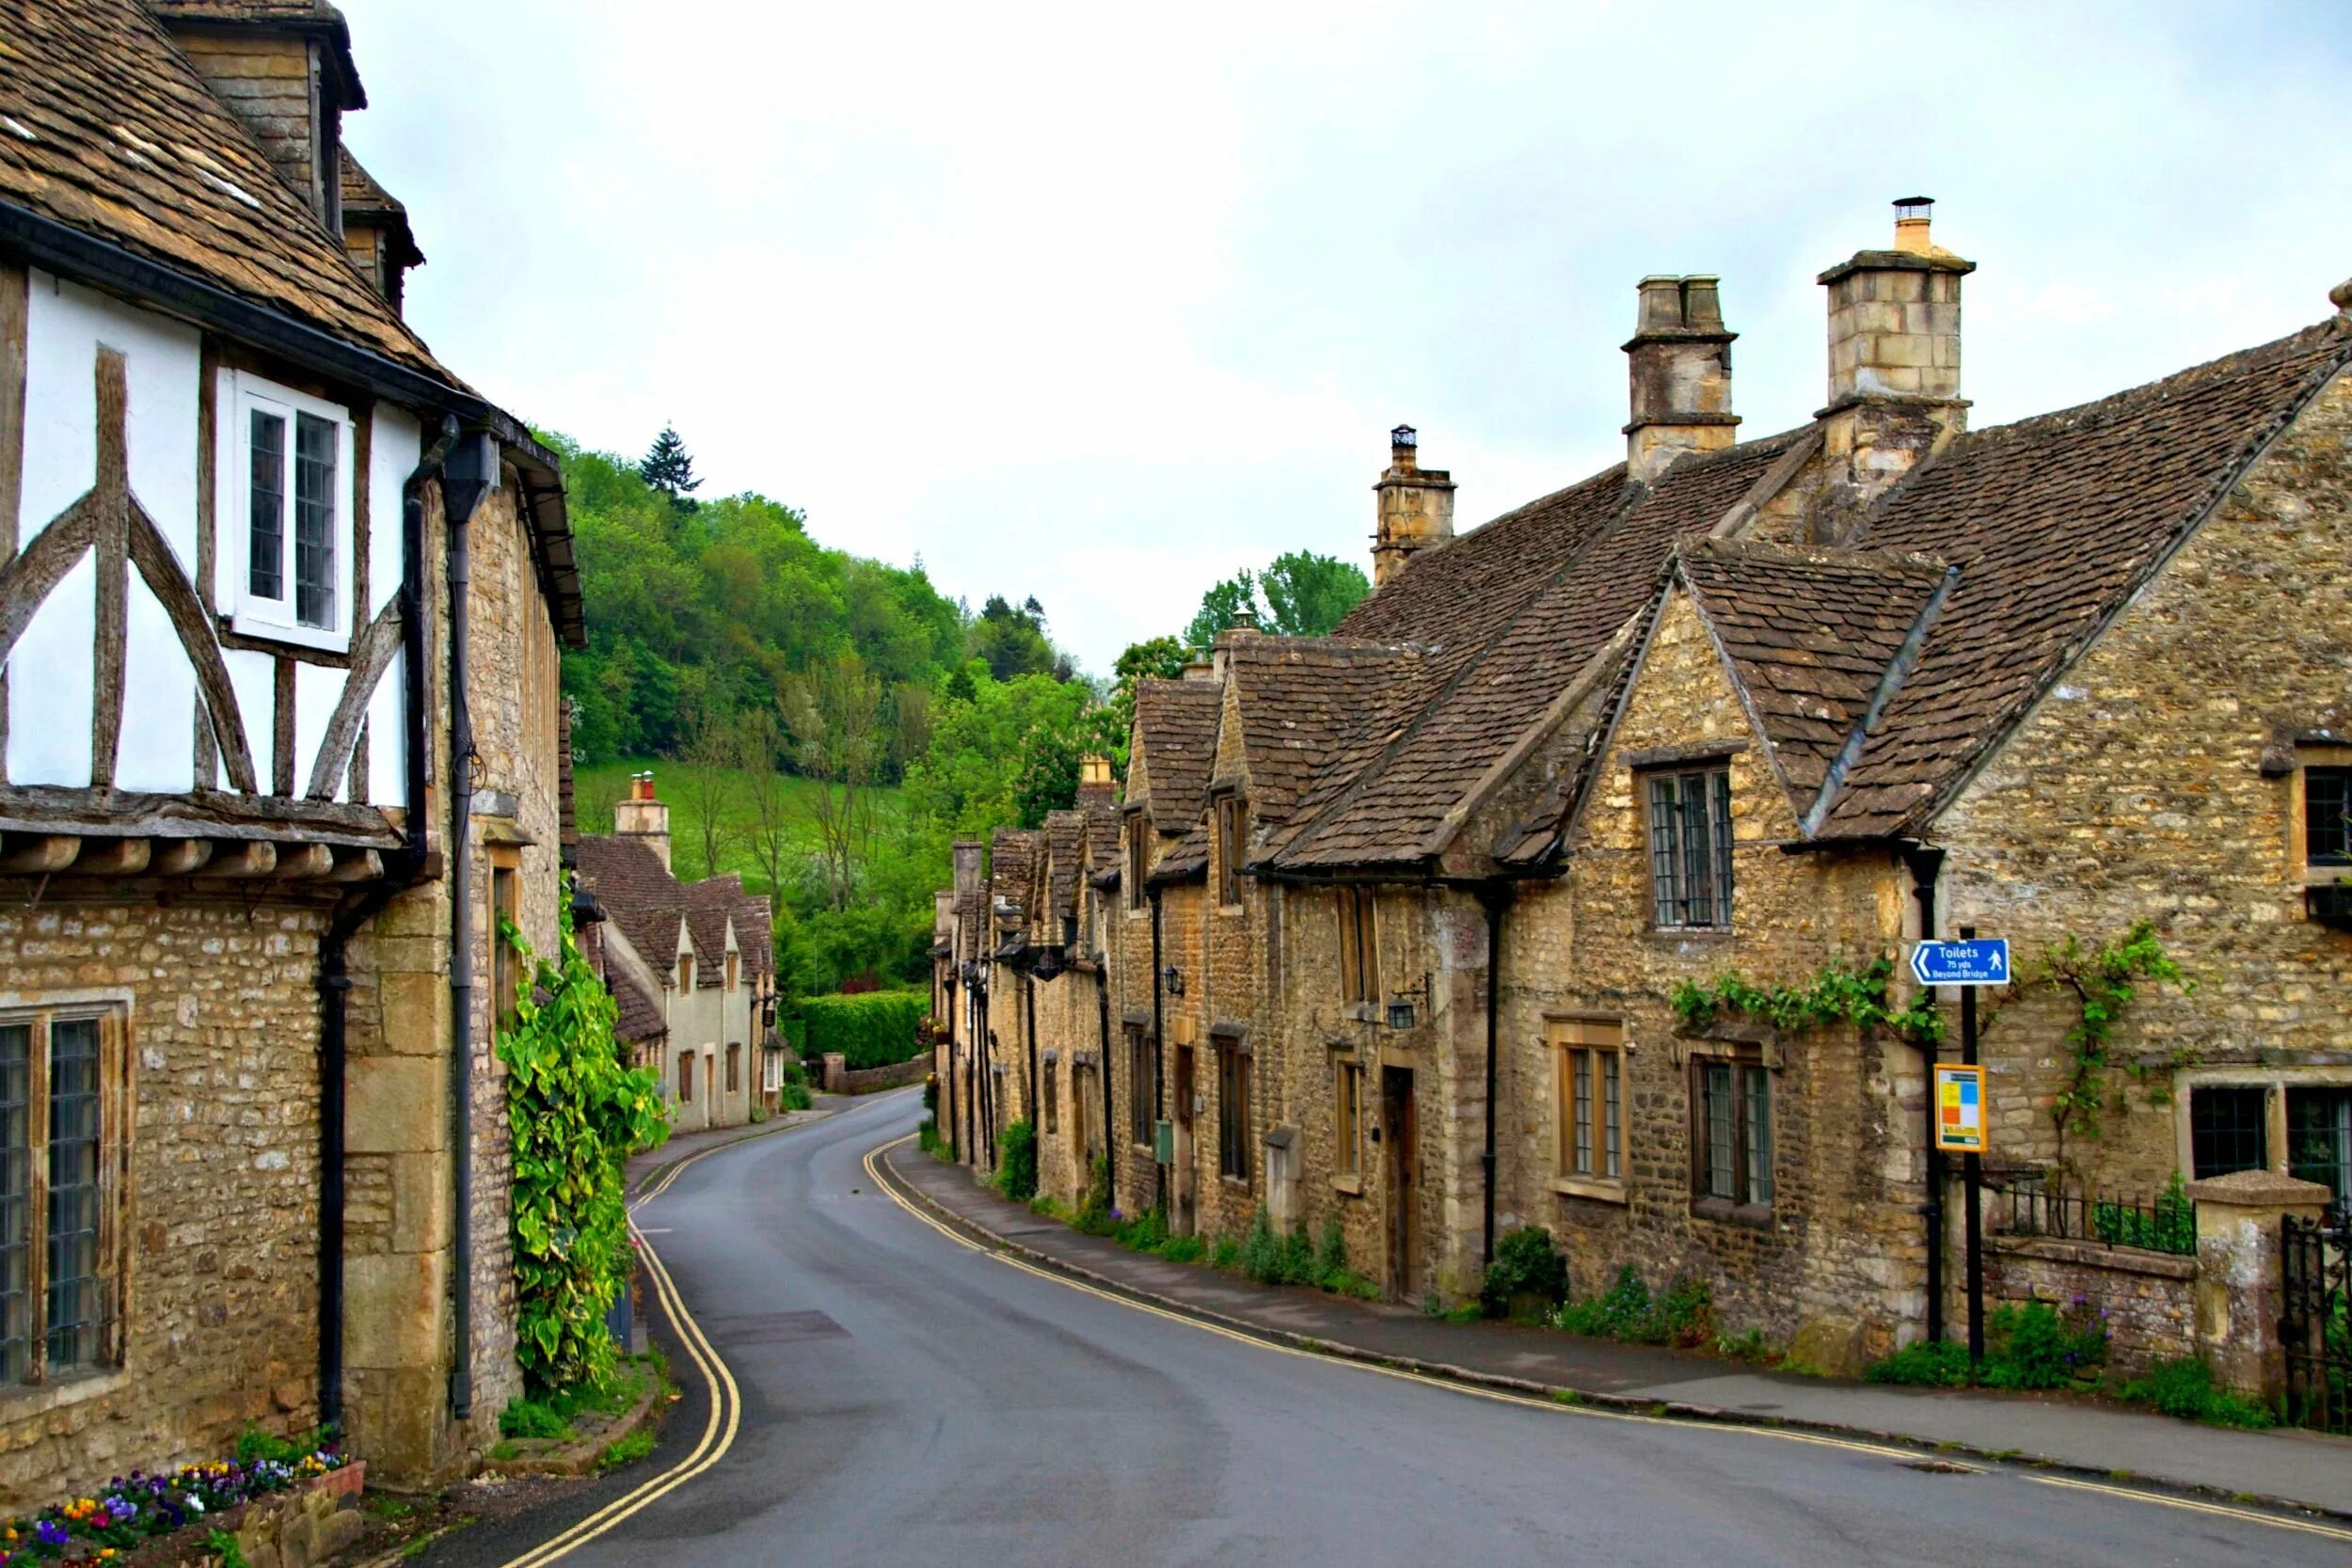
(1184, 1209)
(1400, 1178)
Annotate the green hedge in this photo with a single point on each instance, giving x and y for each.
(876, 1029)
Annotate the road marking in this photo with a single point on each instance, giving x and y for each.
(1504, 1397)
(719, 1429)
(2309, 1527)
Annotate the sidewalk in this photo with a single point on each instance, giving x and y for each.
(685, 1146)
(2296, 1469)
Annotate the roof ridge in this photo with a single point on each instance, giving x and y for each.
(1801, 554)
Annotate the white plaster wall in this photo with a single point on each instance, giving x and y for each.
(255, 677)
(317, 690)
(396, 443)
(50, 696)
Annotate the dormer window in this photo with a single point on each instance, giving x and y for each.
(1231, 817)
(288, 520)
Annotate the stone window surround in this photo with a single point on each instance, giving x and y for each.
(2309, 755)
(1235, 1067)
(2274, 1081)
(117, 1007)
(1566, 1031)
(1347, 1057)
(1766, 1054)
(1710, 761)
(1358, 908)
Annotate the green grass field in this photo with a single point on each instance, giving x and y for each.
(597, 786)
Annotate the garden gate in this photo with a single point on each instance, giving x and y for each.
(2315, 1322)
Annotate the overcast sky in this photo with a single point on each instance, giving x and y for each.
(1101, 302)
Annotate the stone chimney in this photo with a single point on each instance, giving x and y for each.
(942, 915)
(1894, 358)
(1095, 783)
(1416, 507)
(287, 72)
(968, 860)
(1679, 364)
(638, 815)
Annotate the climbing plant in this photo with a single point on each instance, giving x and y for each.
(2102, 981)
(576, 1114)
(1836, 993)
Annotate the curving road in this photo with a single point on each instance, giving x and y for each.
(908, 1401)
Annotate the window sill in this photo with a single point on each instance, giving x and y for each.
(1594, 1188)
(2323, 875)
(1232, 1183)
(1755, 1216)
(254, 628)
(74, 1388)
(1684, 934)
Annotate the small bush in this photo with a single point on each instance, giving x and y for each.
(879, 1028)
(1684, 1315)
(2030, 1345)
(1095, 1216)
(931, 1097)
(1525, 1268)
(1183, 1249)
(1016, 1162)
(625, 1451)
(1923, 1364)
(1331, 1254)
(254, 1443)
(531, 1418)
(1224, 1252)
(2186, 1388)
(1147, 1232)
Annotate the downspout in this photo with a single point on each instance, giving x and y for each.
(334, 976)
(1926, 864)
(1102, 1012)
(1493, 897)
(471, 473)
(1159, 1066)
(955, 1129)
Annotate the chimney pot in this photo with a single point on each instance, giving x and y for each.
(1416, 506)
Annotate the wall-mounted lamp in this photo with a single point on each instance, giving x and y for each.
(1173, 979)
(1400, 1004)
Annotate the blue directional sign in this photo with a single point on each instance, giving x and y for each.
(1979, 961)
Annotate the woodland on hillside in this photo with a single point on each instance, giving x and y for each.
(827, 724)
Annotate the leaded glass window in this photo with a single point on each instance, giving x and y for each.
(1690, 840)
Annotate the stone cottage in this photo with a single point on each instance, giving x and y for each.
(283, 602)
(1403, 916)
(690, 965)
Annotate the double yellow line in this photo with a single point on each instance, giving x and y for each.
(719, 1429)
(1786, 1434)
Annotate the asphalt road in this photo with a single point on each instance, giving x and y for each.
(906, 1401)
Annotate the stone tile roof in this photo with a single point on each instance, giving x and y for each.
(1065, 858)
(639, 1014)
(1012, 865)
(1809, 633)
(1186, 860)
(109, 130)
(1176, 728)
(1508, 628)
(314, 18)
(1300, 698)
(648, 903)
(2053, 523)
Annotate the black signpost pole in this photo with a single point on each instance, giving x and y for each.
(1973, 1175)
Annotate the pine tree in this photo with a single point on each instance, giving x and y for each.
(668, 467)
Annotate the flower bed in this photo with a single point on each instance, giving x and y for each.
(130, 1511)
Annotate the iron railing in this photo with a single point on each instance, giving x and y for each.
(2041, 1204)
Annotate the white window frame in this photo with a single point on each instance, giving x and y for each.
(242, 394)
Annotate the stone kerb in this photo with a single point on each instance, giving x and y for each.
(2240, 1288)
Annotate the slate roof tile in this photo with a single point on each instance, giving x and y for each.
(1176, 725)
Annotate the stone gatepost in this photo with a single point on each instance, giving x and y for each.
(833, 1075)
(2240, 1287)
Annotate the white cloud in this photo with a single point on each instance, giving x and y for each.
(1101, 302)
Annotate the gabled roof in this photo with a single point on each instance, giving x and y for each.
(648, 903)
(1810, 633)
(2053, 523)
(315, 18)
(1012, 867)
(1065, 858)
(1505, 650)
(1186, 860)
(109, 131)
(1176, 729)
(365, 202)
(639, 1013)
(1299, 698)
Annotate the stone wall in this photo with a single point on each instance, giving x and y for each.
(2147, 1299)
(219, 1228)
(2137, 789)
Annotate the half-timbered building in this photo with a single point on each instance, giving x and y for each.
(280, 613)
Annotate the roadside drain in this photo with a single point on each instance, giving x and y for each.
(1939, 1467)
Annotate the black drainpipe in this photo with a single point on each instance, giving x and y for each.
(1493, 897)
(1925, 865)
(334, 977)
(471, 473)
(1102, 1012)
(1159, 1066)
(955, 1129)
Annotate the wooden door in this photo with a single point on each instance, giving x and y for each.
(1181, 1203)
(1403, 1164)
